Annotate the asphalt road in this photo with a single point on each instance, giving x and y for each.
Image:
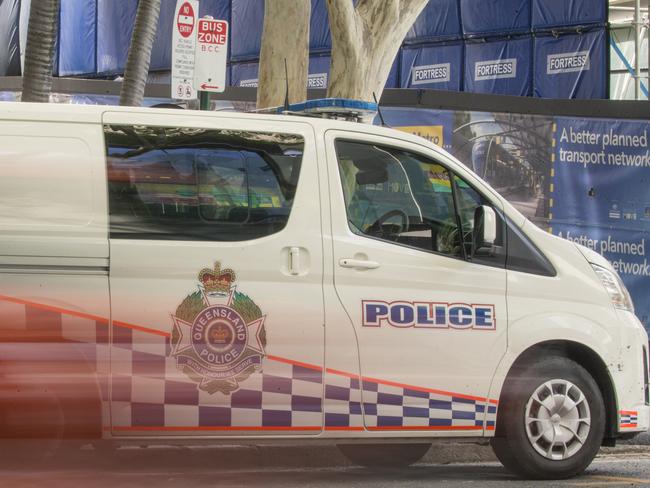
(272, 466)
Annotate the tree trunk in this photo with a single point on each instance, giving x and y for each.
(285, 37)
(39, 51)
(365, 41)
(137, 63)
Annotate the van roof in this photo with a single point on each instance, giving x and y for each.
(92, 114)
(76, 113)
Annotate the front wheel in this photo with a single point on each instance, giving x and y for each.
(551, 421)
(384, 455)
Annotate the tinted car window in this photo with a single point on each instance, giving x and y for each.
(398, 196)
(200, 184)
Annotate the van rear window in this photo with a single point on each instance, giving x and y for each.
(199, 184)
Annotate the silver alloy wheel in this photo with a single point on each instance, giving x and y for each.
(558, 419)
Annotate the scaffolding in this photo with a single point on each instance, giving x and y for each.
(637, 25)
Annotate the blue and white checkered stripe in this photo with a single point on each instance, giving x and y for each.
(149, 392)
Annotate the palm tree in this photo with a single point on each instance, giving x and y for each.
(39, 51)
(137, 63)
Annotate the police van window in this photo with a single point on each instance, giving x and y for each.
(199, 184)
(399, 197)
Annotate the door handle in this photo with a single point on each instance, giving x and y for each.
(294, 261)
(358, 263)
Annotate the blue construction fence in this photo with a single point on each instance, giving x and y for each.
(541, 48)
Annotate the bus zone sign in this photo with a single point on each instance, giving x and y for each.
(211, 55)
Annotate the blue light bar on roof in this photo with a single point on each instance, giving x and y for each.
(335, 108)
(329, 105)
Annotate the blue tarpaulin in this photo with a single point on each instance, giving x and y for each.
(219, 9)
(77, 37)
(495, 16)
(393, 76)
(559, 13)
(571, 65)
(244, 74)
(114, 28)
(439, 20)
(9, 41)
(246, 28)
(161, 53)
(501, 67)
(437, 67)
(319, 30)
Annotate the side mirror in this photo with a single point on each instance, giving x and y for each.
(485, 230)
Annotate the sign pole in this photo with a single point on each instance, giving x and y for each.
(204, 98)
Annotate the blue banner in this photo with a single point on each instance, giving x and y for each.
(599, 196)
(244, 74)
(77, 37)
(319, 31)
(439, 20)
(114, 28)
(500, 67)
(482, 17)
(319, 68)
(571, 65)
(246, 29)
(9, 42)
(393, 76)
(437, 67)
(562, 13)
(161, 53)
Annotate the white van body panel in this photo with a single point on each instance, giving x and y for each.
(59, 260)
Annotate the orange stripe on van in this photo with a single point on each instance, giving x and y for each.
(126, 325)
(51, 308)
(428, 390)
(294, 363)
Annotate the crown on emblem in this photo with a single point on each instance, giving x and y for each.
(219, 335)
(217, 280)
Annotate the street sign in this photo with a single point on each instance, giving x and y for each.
(183, 48)
(211, 55)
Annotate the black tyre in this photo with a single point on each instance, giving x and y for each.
(384, 455)
(551, 420)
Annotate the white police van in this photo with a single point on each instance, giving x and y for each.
(186, 276)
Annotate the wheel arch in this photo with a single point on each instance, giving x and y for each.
(581, 354)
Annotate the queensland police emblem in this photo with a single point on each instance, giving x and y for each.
(218, 337)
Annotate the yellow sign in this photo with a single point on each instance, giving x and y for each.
(432, 133)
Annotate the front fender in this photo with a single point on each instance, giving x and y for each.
(545, 328)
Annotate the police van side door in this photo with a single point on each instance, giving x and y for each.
(431, 323)
(215, 276)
